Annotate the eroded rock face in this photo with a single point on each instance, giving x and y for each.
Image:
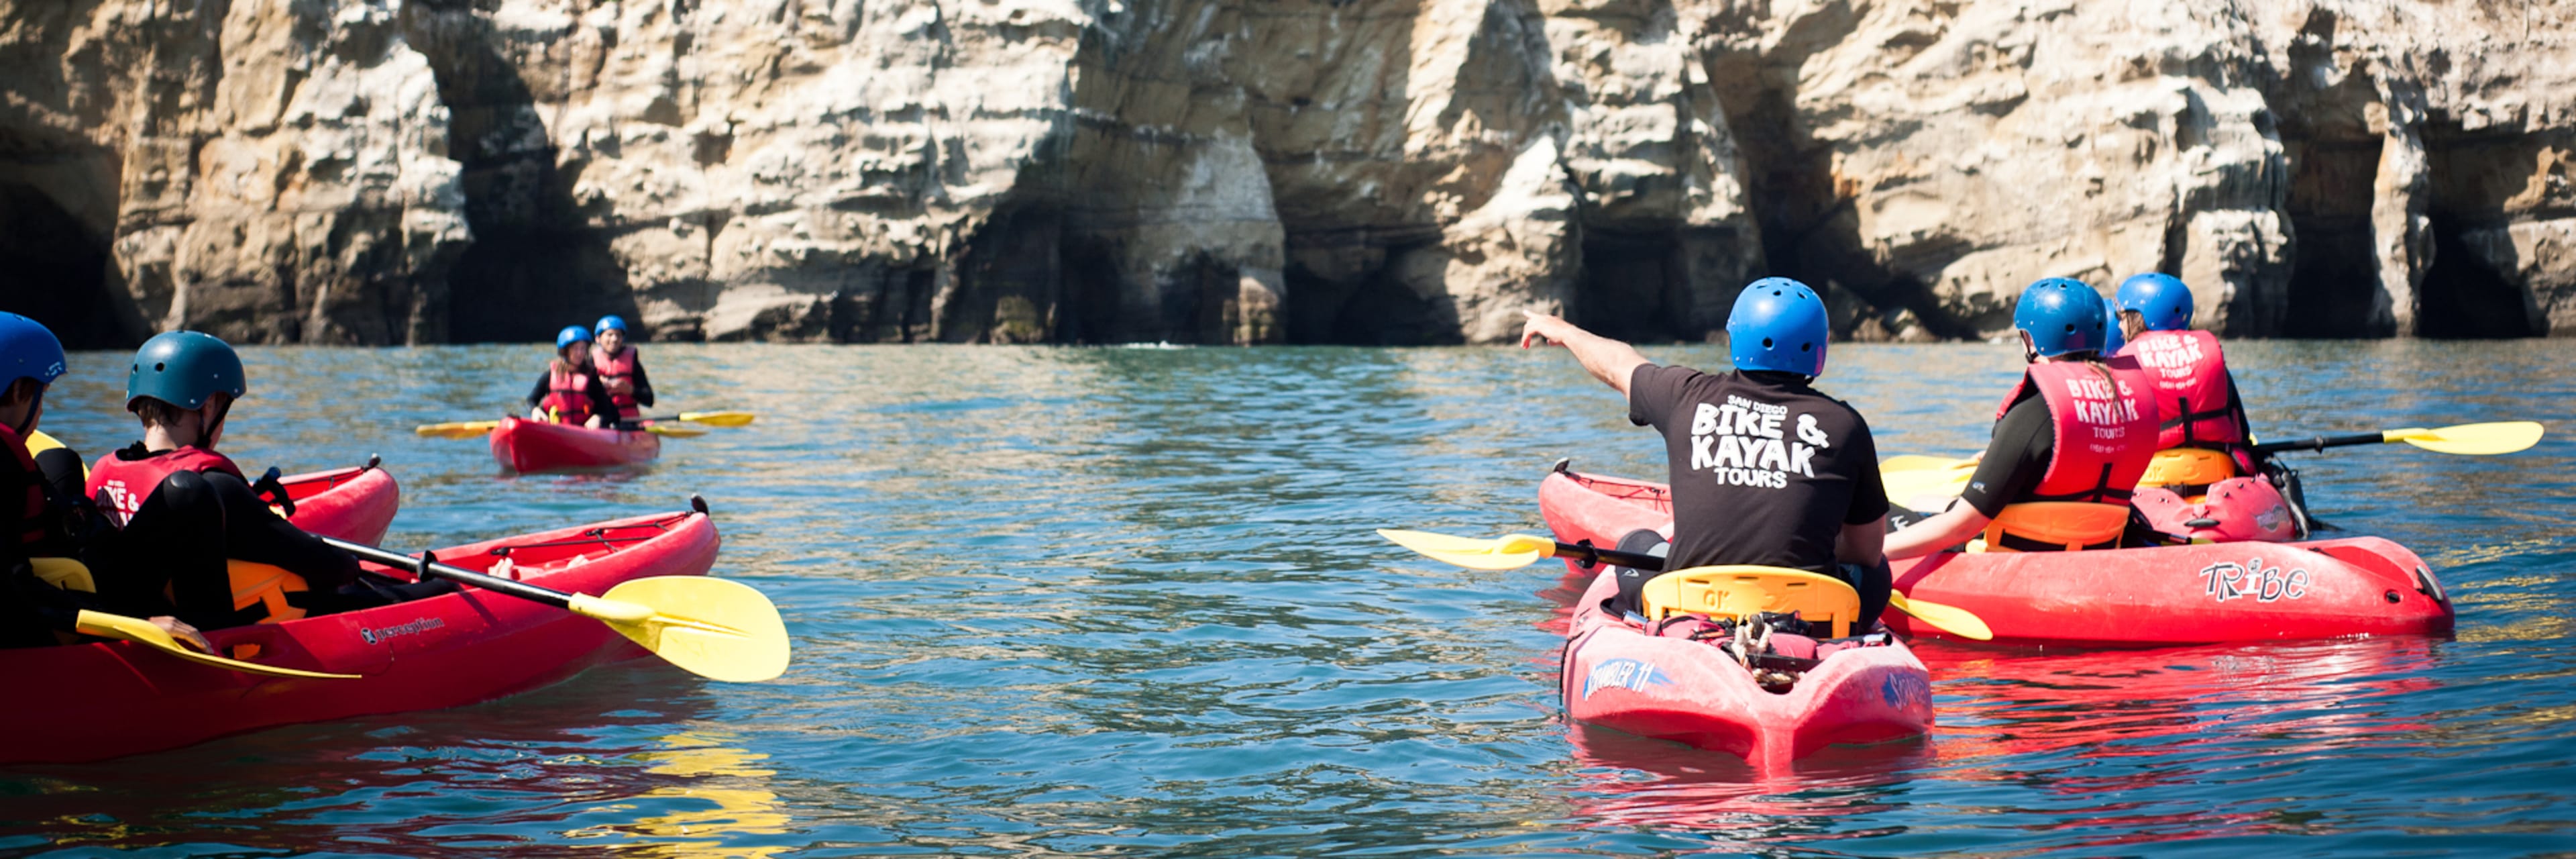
(1223, 171)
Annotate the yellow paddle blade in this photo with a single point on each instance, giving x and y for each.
(1946, 618)
(142, 632)
(459, 429)
(1917, 462)
(1945, 481)
(1510, 552)
(716, 628)
(2474, 439)
(674, 431)
(719, 419)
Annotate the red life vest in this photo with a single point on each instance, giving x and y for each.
(567, 394)
(120, 486)
(2190, 377)
(617, 372)
(2104, 425)
(26, 524)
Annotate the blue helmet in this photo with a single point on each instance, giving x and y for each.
(2163, 300)
(28, 350)
(2117, 338)
(1778, 324)
(611, 322)
(2062, 316)
(183, 368)
(570, 335)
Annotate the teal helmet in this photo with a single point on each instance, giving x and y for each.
(183, 368)
(28, 350)
(2062, 316)
(571, 334)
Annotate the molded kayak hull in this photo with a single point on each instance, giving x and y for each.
(1617, 676)
(2147, 597)
(353, 504)
(525, 446)
(110, 699)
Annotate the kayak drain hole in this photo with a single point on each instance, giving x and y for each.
(2393, 598)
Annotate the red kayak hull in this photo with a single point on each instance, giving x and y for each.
(110, 699)
(2150, 597)
(353, 504)
(526, 446)
(1617, 676)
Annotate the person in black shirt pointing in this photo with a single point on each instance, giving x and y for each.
(1764, 469)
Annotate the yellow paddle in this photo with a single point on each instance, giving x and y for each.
(674, 431)
(142, 632)
(2472, 439)
(716, 628)
(1513, 551)
(471, 429)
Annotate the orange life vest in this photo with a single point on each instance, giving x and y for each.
(617, 372)
(120, 486)
(567, 394)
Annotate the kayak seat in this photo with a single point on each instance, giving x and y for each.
(2187, 469)
(1742, 590)
(2056, 526)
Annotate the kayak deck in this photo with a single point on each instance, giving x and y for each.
(2145, 597)
(356, 504)
(115, 698)
(1617, 676)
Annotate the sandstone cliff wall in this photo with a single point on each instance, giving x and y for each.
(1252, 171)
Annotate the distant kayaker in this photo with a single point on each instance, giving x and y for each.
(2069, 442)
(620, 368)
(2193, 388)
(570, 392)
(181, 508)
(1764, 469)
(39, 495)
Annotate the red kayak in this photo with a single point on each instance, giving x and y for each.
(528, 446)
(353, 504)
(115, 698)
(1618, 676)
(2146, 597)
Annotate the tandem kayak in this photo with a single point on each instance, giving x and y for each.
(2146, 597)
(525, 446)
(353, 504)
(1618, 676)
(114, 698)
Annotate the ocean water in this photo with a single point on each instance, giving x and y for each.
(1126, 601)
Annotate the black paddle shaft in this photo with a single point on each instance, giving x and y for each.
(1588, 554)
(432, 567)
(2322, 442)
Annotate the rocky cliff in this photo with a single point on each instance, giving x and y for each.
(1255, 171)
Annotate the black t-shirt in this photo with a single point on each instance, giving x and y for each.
(1765, 470)
(2024, 441)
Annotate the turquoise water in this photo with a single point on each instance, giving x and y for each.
(1126, 601)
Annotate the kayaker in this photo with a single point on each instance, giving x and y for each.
(2193, 388)
(37, 493)
(569, 392)
(2069, 442)
(620, 368)
(1764, 469)
(181, 508)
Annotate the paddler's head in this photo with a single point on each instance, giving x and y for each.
(572, 346)
(182, 384)
(2061, 320)
(1779, 325)
(30, 360)
(611, 332)
(2154, 302)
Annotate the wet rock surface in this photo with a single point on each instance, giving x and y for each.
(1201, 171)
